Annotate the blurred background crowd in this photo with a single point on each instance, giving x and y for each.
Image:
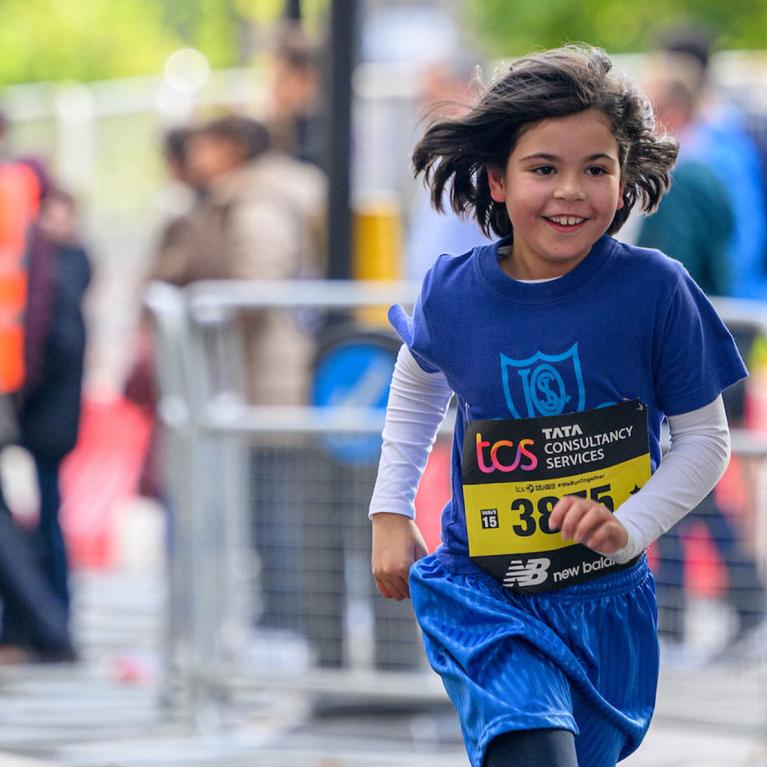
(184, 142)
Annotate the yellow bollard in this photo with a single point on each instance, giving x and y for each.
(377, 248)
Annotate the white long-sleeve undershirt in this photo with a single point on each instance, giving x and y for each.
(697, 457)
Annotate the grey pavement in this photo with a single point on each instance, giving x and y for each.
(108, 711)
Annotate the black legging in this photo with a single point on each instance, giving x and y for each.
(532, 748)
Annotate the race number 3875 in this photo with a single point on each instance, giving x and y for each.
(525, 510)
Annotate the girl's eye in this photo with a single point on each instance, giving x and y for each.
(595, 170)
(544, 170)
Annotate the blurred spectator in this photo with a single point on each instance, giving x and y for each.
(183, 191)
(180, 197)
(186, 191)
(49, 414)
(175, 146)
(446, 90)
(296, 122)
(694, 224)
(20, 192)
(720, 139)
(34, 620)
(261, 217)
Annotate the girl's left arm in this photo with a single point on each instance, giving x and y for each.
(697, 458)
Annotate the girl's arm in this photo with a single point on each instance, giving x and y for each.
(417, 405)
(697, 458)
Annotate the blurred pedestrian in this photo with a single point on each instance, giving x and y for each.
(20, 193)
(447, 90)
(261, 218)
(50, 402)
(175, 149)
(259, 215)
(179, 198)
(694, 223)
(182, 190)
(168, 259)
(34, 623)
(295, 120)
(719, 138)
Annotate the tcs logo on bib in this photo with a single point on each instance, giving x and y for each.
(491, 460)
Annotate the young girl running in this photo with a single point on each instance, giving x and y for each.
(566, 349)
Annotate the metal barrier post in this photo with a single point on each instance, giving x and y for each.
(167, 312)
(194, 549)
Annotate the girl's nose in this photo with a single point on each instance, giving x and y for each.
(569, 188)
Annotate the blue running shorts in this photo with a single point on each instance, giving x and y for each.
(583, 658)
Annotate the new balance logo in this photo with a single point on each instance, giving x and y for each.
(529, 573)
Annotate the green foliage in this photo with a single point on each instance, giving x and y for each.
(80, 39)
(506, 28)
(87, 40)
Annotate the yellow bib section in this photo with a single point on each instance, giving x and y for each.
(507, 518)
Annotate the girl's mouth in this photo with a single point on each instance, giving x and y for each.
(565, 223)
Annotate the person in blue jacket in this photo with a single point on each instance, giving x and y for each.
(721, 139)
(694, 224)
(565, 350)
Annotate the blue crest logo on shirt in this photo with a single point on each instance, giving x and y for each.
(543, 384)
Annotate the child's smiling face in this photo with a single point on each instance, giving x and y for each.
(561, 187)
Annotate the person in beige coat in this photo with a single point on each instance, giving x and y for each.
(260, 217)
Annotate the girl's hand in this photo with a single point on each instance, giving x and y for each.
(397, 543)
(590, 523)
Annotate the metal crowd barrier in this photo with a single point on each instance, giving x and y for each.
(269, 565)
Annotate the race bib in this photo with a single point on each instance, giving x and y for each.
(514, 473)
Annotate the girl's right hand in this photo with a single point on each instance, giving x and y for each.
(397, 544)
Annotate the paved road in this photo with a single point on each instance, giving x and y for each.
(107, 711)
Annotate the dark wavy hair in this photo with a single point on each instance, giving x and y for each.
(456, 152)
(249, 136)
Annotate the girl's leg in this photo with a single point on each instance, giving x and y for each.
(532, 748)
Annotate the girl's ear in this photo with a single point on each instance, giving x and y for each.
(621, 190)
(496, 180)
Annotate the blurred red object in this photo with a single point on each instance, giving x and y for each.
(99, 475)
(433, 493)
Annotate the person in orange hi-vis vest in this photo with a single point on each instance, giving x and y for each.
(19, 202)
(41, 631)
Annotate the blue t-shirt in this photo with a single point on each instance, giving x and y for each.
(626, 323)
